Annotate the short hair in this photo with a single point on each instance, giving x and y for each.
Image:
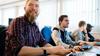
(28, 1)
(61, 18)
(82, 23)
(89, 26)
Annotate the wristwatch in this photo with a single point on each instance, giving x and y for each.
(45, 53)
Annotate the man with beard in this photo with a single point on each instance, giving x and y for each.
(24, 38)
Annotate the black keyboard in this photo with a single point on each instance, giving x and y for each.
(86, 47)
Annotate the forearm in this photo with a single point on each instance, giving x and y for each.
(30, 51)
(97, 43)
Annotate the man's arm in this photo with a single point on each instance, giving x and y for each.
(74, 35)
(55, 37)
(58, 40)
(93, 43)
(30, 51)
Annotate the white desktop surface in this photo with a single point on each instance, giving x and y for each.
(92, 52)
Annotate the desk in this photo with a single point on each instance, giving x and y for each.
(92, 52)
(82, 54)
(98, 47)
(95, 49)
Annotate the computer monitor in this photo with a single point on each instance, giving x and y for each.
(10, 19)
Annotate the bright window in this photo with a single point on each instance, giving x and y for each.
(21, 11)
(79, 10)
(8, 13)
(0, 17)
(48, 13)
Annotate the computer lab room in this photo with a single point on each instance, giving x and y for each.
(49, 27)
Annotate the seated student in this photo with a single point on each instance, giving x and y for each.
(78, 34)
(89, 28)
(60, 35)
(91, 37)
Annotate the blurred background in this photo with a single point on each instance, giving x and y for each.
(50, 10)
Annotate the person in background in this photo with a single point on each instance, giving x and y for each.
(91, 37)
(23, 37)
(89, 29)
(80, 35)
(60, 35)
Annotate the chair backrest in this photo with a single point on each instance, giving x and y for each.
(46, 32)
(2, 39)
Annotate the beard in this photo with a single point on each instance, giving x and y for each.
(31, 16)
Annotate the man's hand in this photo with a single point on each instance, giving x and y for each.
(77, 48)
(82, 43)
(60, 50)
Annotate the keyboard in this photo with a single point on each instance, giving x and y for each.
(81, 54)
(86, 47)
(77, 54)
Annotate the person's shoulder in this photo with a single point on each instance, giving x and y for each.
(16, 20)
(19, 18)
(76, 30)
(56, 28)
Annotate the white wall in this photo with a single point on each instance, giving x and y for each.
(10, 10)
(0, 17)
(48, 13)
(97, 15)
(50, 10)
(79, 10)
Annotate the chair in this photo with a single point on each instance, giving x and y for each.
(46, 32)
(2, 39)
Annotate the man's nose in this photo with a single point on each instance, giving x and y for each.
(35, 7)
(68, 23)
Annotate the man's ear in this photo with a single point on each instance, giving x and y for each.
(60, 22)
